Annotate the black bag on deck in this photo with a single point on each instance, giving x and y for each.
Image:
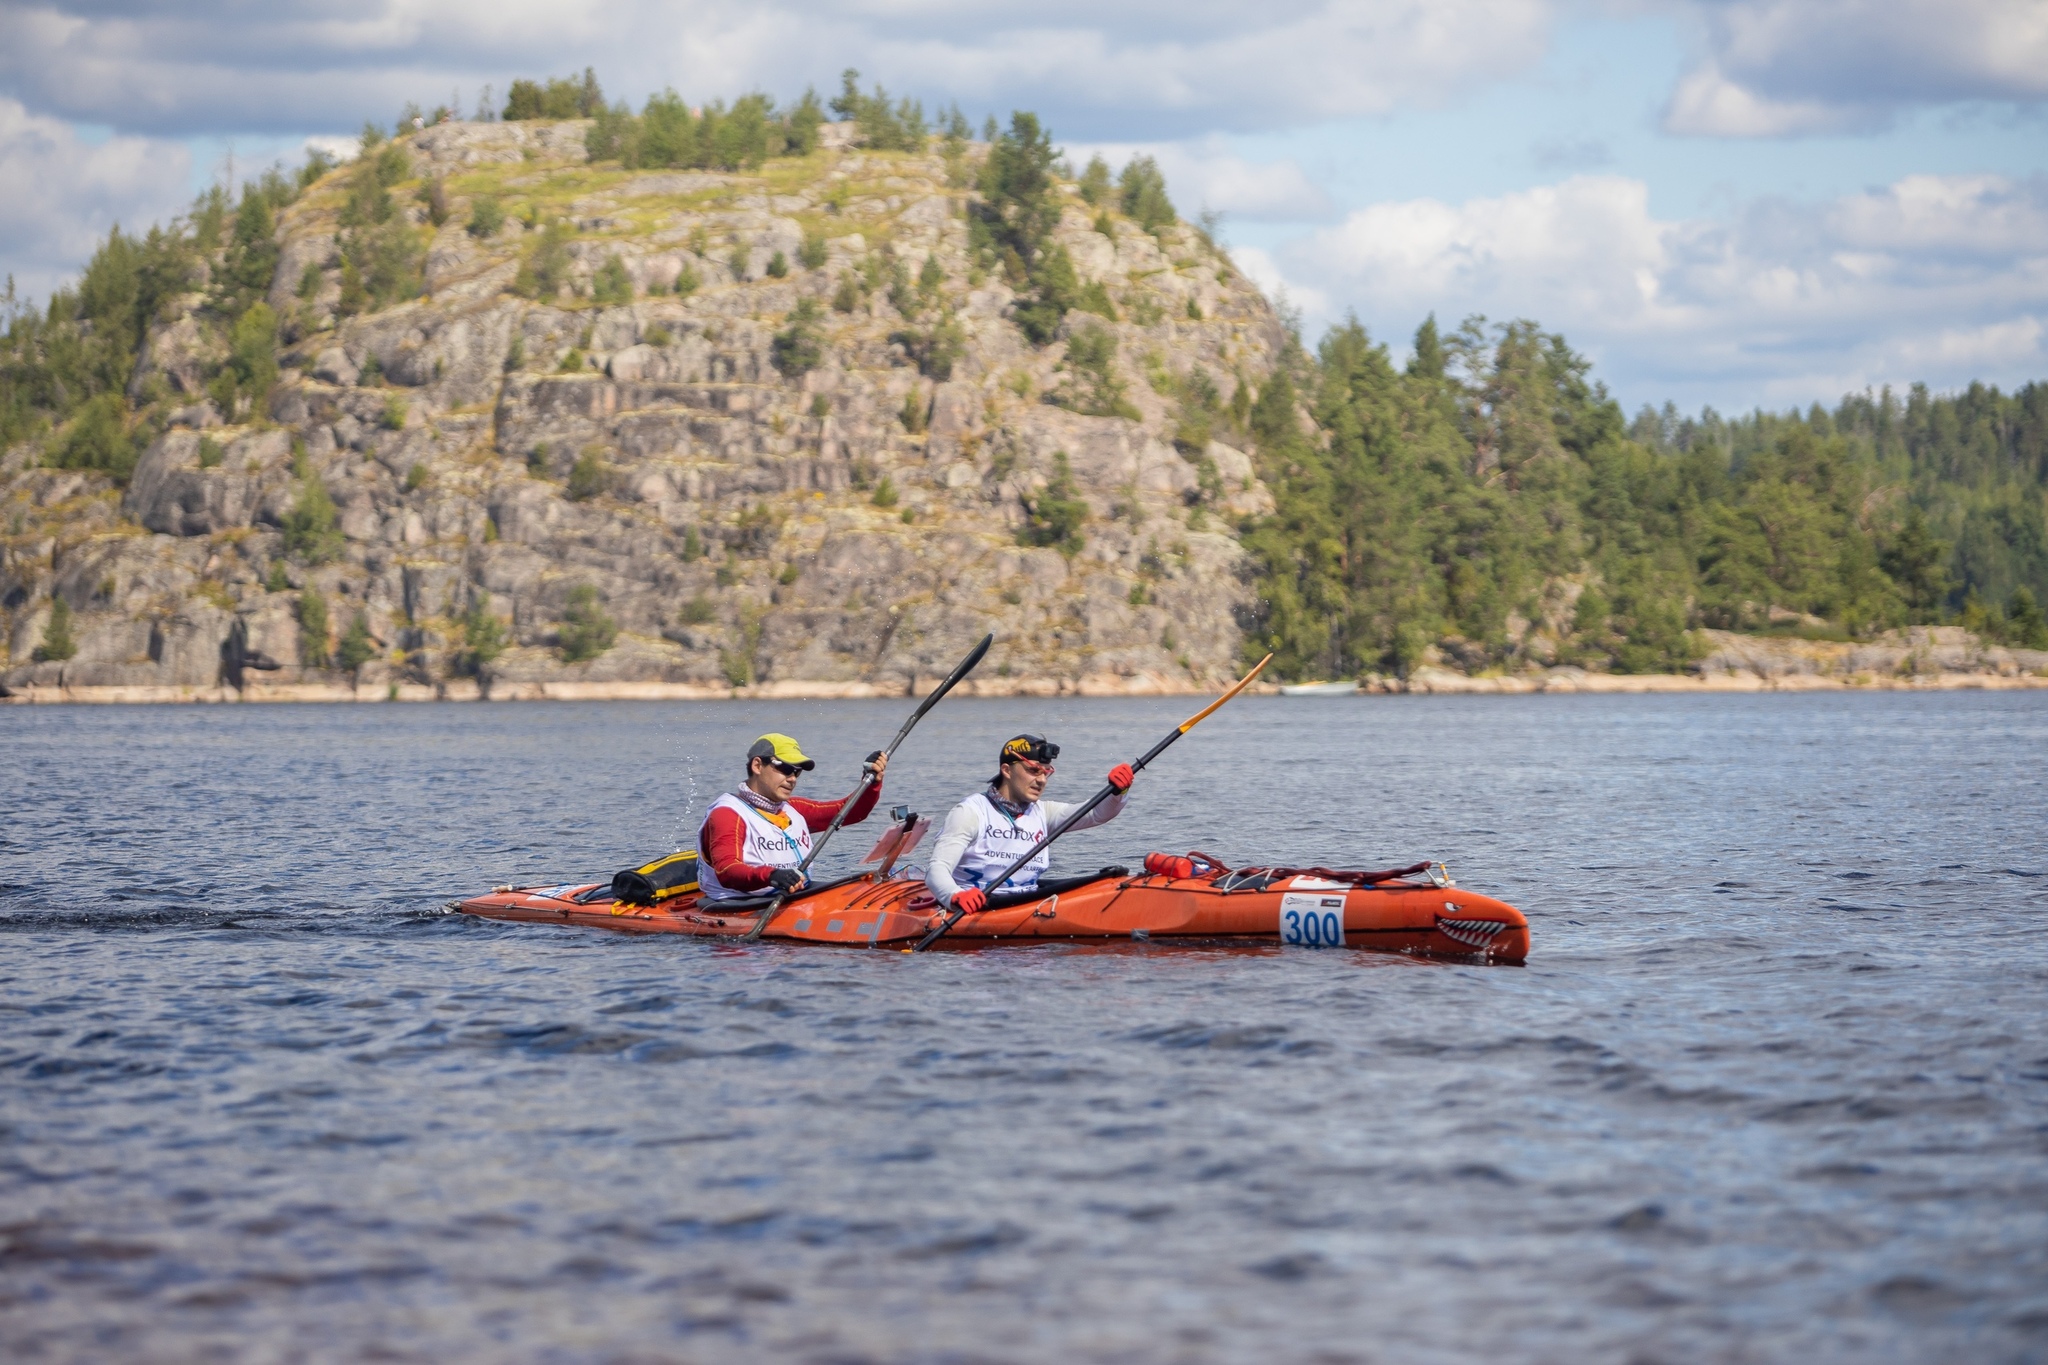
(675, 875)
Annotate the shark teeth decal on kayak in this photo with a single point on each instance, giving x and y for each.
(1473, 933)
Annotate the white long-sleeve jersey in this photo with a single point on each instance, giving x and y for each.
(964, 825)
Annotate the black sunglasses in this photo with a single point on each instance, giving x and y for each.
(786, 769)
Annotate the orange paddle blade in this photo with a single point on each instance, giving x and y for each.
(1196, 719)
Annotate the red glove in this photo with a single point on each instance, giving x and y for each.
(972, 901)
(1121, 777)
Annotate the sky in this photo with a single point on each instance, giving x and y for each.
(1735, 203)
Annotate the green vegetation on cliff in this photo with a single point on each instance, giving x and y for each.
(74, 358)
(57, 644)
(587, 629)
(667, 132)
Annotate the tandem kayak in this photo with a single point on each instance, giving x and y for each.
(1416, 910)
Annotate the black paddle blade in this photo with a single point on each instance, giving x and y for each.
(960, 670)
(974, 657)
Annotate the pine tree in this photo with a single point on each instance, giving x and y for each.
(587, 630)
(1142, 190)
(1095, 181)
(357, 647)
(1428, 360)
(314, 648)
(57, 644)
(2025, 625)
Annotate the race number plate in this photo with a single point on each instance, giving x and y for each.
(1312, 921)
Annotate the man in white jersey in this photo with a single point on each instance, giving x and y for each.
(756, 836)
(993, 828)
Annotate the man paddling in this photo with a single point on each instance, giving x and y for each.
(755, 836)
(993, 828)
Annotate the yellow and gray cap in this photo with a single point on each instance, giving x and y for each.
(780, 747)
(1037, 748)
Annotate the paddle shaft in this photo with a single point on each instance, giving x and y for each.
(867, 776)
(1075, 815)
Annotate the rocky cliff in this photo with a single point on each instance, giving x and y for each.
(655, 480)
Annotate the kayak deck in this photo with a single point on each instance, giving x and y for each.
(1292, 909)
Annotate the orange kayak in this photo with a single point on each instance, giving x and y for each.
(1306, 908)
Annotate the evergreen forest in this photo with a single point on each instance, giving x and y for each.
(1458, 498)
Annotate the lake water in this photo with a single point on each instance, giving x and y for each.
(1773, 1085)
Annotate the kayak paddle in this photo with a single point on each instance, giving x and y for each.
(867, 776)
(953, 916)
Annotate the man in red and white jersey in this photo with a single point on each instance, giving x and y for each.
(756, 836)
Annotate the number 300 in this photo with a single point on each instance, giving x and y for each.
(1312, 930)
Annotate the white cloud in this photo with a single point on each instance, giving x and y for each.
(59, 193)
(1205, 173)
(1143, 69)
(1262, 270)
(215, 66)
(1936, 278)
(1971, 216)
(2001, 347)
(1587, 246)
(333, 147)
(1773, 68)
(1708, 104)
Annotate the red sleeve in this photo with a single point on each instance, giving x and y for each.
(719, 843)
(818, 814)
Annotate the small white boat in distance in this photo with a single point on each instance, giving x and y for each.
(1318, 689)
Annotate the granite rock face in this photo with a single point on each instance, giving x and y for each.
(1911, 653)
(486, 452)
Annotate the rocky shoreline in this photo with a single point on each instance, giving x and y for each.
(1920, 659)
(469, 689)
(1573, 680)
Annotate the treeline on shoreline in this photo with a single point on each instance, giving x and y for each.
(1488, 500)
(1491, 485)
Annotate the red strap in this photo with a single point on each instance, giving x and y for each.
(1336, 875)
